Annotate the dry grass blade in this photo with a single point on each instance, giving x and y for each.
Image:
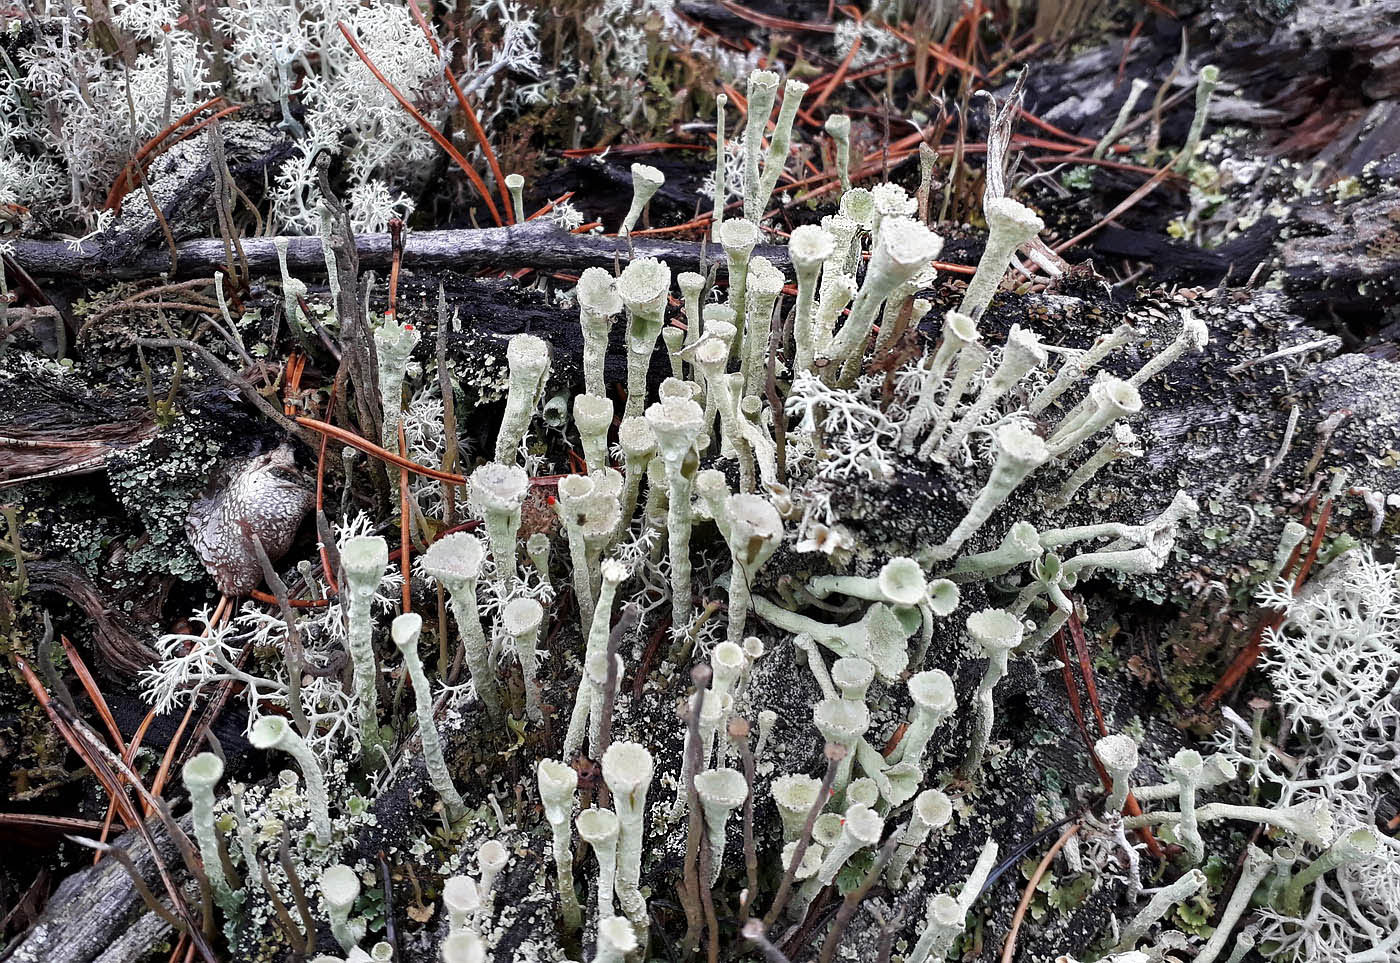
(129, 754)
(1127, 203)
(65, 824)
(477, 130)
(94, 693)
(1009, 947)
(147, 897)
(383, 454)
(93, 754)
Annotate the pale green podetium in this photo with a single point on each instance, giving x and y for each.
(455, 562)
(405, 632)
(1009, 225)
(1019, 451)
(755, 531)
(765, 286)
(994, 632)
(809, 247)
(738, 238)
(588, 701)
(558, 784)
(274, 732)
(599, 829)
(1023, 354)
(721, 193)
(839, 127)
(646, 181)
(903, 249)
(598, 304)
(202, 773)
(762, 91)
(1206, 82)
(498, 491)
(638, 444)
(593, 415)
(393, 346)
(778, 146)
(721, 791)
(522, 618)
(340, 887)
(642, 286)
(627, 770)
(515, 183)
(1125, 113)
(528, 359)
(677, 424)
(364, 559)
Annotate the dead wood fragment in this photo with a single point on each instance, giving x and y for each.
(116, 635)
(91, 916)
(538, 244)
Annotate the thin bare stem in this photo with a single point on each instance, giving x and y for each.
(853, 899)
(739, 735)
(690, 890)
(834, 755)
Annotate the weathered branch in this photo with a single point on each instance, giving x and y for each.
(538, 244)
(96, 914)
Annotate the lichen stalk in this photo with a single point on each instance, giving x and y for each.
(1206, 82)
(405, 632)
(598, 303)
(971, 358)
(627, 771)
(839, 127)
(721, 791)
(528, 360)
(1124, 113)
(201, 774)
(1009, 224)
(738, 238)
(677, 424)
(762, 91)
(1076, 367)
(1162, 901)
(646, 181)
(365, 560)
(995, 632)
(809, 247)
(1257, 865)
(755, 531)
(586, 707)
(643, 286)
(778, 145)
(1019, 452)
(558, 784)
(274, 732)
(903, 249)
(931, 811)
(498, 492)
(522, 619)
(1023, 354)
(455, 561)
(599, 828)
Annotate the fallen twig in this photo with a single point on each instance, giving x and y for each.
(539, 244)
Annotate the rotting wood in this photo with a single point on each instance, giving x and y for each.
(93, 915)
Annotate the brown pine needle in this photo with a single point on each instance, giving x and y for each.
(438, 137)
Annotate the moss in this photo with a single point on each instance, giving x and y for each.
(156, 482)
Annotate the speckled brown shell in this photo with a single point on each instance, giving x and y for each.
(265, 494)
